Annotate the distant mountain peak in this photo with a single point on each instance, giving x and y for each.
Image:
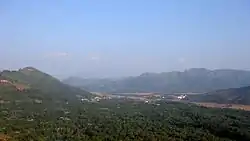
(198, 69)
(147, 74)
(31, 69)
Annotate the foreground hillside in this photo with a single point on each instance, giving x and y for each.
(192, 80)
(225, 96)
(34, 83)
(115, 120)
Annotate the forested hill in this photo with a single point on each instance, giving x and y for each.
(226, 96)
(30, 79)
(192, 80)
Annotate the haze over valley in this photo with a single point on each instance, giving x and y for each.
(132, 70)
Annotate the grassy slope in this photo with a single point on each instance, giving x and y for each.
(41, 84)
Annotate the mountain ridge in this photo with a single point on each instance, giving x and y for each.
(192, 80)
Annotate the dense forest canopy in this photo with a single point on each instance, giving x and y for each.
(122, 120)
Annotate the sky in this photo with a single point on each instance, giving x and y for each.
(117, 38)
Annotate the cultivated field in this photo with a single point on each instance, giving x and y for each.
(233, 106)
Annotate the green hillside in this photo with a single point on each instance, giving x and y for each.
(225, 96)
(35, 82)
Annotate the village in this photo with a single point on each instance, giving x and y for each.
(145, 97)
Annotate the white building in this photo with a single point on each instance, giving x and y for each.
(182, 96)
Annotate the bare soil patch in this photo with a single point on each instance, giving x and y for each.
(4, 137)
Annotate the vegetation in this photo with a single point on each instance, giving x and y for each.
(42, 83)
(193, 80)
(226, 96)
(121, 120)
(57, 113)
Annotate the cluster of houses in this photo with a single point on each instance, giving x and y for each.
(19, 87)
(146, 98)
(98, 98)
(3, 81)
(182, 97)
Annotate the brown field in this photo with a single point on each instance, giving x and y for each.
(232, 106)
(4, 137)
(21, 86)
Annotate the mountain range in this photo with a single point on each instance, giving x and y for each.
(218, 86)
(197, 80)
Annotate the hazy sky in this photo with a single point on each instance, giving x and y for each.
(110, 38)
